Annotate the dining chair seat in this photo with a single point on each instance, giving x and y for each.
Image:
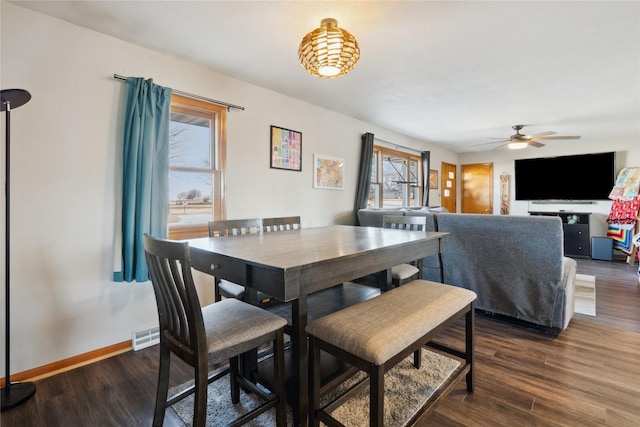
(404, 273)
(229, 289)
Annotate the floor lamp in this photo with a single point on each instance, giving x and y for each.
(12, 394)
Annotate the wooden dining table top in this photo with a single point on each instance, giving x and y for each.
(289, 263)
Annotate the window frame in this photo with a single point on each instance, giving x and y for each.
(217, 114)
(377, 175)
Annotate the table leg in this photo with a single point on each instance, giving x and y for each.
(249, 365)
(300, 361)
(384, 280)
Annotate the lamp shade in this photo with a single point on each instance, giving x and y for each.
(329, 51)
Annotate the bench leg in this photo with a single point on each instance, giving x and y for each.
(469, 327)
(376, 397)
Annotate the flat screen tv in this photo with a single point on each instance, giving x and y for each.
(584, 177)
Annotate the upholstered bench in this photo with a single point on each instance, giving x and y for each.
(375, 335)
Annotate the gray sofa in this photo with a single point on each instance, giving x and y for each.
(515, 264)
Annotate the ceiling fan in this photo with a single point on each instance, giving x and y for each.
(518, 140)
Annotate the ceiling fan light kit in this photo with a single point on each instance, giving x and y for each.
(518, 145)
(328, 51)
(519, 141)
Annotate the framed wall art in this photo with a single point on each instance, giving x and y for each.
(328, 172)
(286, 149)
(433, 179)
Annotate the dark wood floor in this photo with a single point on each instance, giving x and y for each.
(588, 375)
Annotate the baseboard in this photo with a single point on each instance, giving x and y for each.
(70, 363)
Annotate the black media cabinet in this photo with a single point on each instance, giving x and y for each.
(577, 243)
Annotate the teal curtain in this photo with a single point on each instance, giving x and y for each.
(145, 174)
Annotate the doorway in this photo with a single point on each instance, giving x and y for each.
(477, 188)
(449, 186)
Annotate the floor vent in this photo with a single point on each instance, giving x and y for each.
(145, 338)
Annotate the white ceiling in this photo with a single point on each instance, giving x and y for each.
(445, 72)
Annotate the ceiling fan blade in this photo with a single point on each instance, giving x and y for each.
(536, 144)
(547, 133)
(549, 138)
(492, 142)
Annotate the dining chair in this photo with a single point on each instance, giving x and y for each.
(233, 227)
(274, 224)
(209, 336)
(403, 273)
(281, 223)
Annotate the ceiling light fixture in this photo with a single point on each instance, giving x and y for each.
(329, 51)
(518, 145)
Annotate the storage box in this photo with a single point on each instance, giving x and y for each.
(602, 248)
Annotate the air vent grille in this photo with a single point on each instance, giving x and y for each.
(145, 338)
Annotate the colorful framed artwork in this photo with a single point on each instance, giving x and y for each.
(328, 172)
(286, 149)
(433, 179)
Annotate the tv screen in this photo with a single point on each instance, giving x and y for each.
(580, 177)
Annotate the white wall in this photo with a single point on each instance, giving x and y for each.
(64, 163)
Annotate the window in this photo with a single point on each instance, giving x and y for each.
(395, 179)
(196, 166)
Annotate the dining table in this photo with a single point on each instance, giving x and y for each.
(291, 265)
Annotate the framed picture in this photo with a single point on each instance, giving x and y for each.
(286, 149)
(328, 172)
(433, 179)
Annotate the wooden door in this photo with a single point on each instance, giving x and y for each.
(477, 188)
(449, 186)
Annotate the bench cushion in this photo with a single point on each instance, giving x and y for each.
(378, 329)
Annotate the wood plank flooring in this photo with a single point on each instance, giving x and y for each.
(588, 375)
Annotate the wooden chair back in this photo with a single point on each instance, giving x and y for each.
(281, 223)
(179, 311)
(401, 222)
(234, 227)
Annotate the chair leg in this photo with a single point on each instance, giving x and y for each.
(278, 354)
(200, 393)
(314, 382)
(233, 379)
(163, 386)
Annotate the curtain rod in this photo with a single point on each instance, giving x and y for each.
(190, 95)
(396, 145)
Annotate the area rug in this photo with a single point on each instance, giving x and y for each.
(406, 389)
(585, 297)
